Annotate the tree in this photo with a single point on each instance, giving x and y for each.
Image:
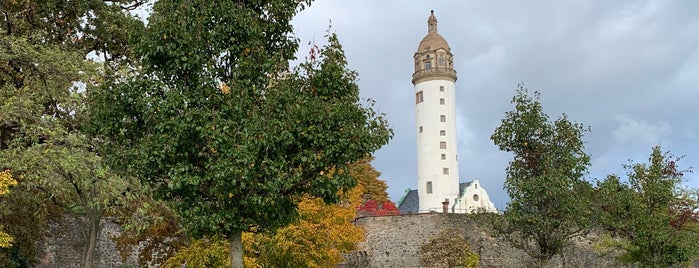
(222, 130)
(374, 196)
(316, 239)
(654, 224)
(368, 178)
(449, 249)
(43, 80)
(322, 234)
(544, 179)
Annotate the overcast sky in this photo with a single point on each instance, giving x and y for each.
(628, 69)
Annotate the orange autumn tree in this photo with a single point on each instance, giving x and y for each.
(374, 196)
(318, 239)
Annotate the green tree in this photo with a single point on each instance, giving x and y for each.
(544, 179)
(222, 130)
(449, 249)
(654, 223)
(44, 76)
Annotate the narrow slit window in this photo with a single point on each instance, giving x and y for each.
(441, 101)
(418, 97)
(442, 145)
(420, 129)
(444, 156)
(441, 88)
(429, 187)
(442, 118)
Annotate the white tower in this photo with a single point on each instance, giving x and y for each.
(435, 118)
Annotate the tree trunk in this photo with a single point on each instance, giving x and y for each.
(236, 248)
(92, 236)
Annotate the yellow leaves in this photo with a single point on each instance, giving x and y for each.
(202, 253)
(6, 181)
(225, 89)
(318, 239)
(5, 240)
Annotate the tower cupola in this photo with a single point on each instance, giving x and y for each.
(433, 59)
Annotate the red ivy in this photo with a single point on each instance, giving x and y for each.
(373, 208)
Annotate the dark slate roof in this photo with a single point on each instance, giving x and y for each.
(410, 203)
(463, 186)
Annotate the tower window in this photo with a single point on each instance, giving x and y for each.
(441, 88)
(441, 101)
(428, 65)
(475, 197)
(420, 129)
(442, 145)
(418, 97)
(445, 171)
(442, 133)
(441, 61)
(442, 118)
(444, 156)
(429, 187)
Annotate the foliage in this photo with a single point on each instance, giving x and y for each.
(6, 181)
(368, 177)
(323, 232)
(449, 249)
(374, 196)
(220, 130)
(549, 203)
(151, 227)
(201, 254)
(43, 79)
(325, 229)
(373, 208)
(652, 224)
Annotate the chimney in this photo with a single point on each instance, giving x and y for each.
(445, 205)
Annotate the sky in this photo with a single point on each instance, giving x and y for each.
(628, 69)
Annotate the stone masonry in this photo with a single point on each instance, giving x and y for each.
(394, 241)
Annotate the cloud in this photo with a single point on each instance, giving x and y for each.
(640, 133)
(628, 69)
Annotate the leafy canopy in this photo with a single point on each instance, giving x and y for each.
(222, 130)
(655, 225)
(544, 178)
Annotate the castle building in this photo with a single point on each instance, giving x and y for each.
(438, 187)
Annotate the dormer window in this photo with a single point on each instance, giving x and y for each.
(428, 65)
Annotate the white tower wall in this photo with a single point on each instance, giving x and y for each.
(437, 165)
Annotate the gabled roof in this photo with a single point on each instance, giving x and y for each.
(410, 203)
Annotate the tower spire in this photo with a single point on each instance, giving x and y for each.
(432, 23)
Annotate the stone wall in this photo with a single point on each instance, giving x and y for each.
(65, 244)
(394, 241)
